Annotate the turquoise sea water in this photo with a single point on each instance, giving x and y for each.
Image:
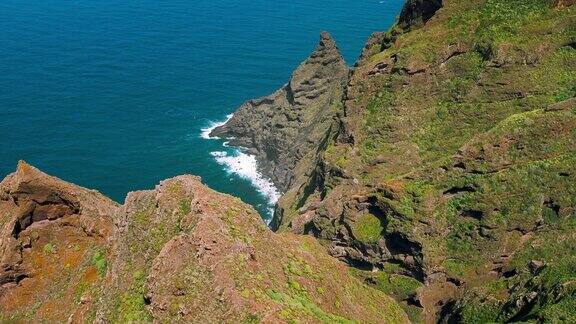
(112, 95)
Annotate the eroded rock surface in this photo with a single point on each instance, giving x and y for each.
(415, 13)
(285, 128)
(179, 253)
(51, 232)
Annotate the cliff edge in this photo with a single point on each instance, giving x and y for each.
(180, 252)
(284, 129)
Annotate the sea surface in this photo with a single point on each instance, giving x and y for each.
(118, 95)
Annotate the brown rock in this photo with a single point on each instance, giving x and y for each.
(180, 252)
(563, 105)
(536, 266)
(561, 4)
(42, 217)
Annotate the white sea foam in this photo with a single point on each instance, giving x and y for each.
(207, 130)
(245, 166)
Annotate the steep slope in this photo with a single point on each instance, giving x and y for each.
(53, 240)
(452, 167)
(284, 129)
(180, 252)
(442, 170)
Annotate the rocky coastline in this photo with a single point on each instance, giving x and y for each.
(432, 182)
(370, 191)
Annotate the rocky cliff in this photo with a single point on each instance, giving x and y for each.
(178, 253)
(53, 244)
(441, 164)
(447, 180)
(416, 13)
(441, 169)
(284, 130)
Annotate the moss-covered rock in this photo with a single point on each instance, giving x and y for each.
(458, 146)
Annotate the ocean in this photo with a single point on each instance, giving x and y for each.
(118, 95)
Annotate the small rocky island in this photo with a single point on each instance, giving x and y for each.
(433, 182)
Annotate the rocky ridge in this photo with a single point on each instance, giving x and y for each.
(178, 253)
(284, 129)
(448, 170)
(36, 211)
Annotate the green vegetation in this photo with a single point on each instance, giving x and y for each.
(185, 207)
(251, 319)
(455, 267)
(453, 136)
(399, 286)
(82, 288)
(132, 306)
(393, 283)
(99, 262)
(378, 117)
(299, 267)
(502, 20)
(49, 248)
(368, 228)
(300, 303)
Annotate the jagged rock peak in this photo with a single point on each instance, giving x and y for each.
(327, 48)
(373, 45)
(282, 129)
(326, 40)
(315, 75)
(326, 52)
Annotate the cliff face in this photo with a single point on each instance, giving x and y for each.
(416, 13)
(53, 237)
(441, 169)
(180, 252)
(450, 169)
(284, 129)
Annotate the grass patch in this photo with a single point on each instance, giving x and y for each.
(299, 305)
(368, 228)
(49, 248)
(185, 207)
(399, 286)
(132, 307)
(99, 262)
